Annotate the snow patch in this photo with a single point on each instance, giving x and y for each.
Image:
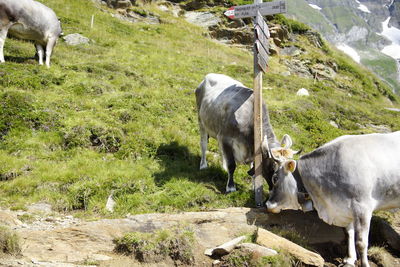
(393, 34)
(362, 7)
(349, 51)
(315, 6)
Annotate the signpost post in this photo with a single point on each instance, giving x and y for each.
(257, 10)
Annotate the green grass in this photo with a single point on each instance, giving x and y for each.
(177, 244)
(9, 242)
(118, 115)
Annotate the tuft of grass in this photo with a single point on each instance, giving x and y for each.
(9, 242)
(239, 258)
(380, 257)
(174, 243)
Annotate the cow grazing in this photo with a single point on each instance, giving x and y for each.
(347, 179)
(29, 20)
(225, 112)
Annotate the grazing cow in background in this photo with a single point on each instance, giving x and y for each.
(29, 20)
(225, 111)
(347, 179)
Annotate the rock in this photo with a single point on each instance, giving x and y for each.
(9, 218)
(123, 4)
(285, 73)
(321, 71)
(233, 35)
(100, 257)
(302, 92)
(257, 250)
(40, 207)
(225, 248)
(379, 128)
(393, 109)
(271, 240)
(334, 124)
(110, 203)
(76, 39)
(203, 19)
(216, 263)
(291, 51)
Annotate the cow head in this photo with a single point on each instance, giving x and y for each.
(284, 194)
(280, 151)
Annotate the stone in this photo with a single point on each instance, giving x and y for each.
(203, 19)
(393, 109)
(303, 92)
(110, 203)
(257, 250)
(40, 207)
(268, 239)
(334, 124)
(227, 247)
(76, 39)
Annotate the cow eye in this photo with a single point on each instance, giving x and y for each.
(274, 179)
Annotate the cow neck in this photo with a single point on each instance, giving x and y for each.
(302, 194)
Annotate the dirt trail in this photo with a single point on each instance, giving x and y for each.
(52, 239)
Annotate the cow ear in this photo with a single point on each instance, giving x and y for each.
(276, 154)
(290, 166)
(286, 141)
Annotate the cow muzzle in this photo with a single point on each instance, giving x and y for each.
(273, 207)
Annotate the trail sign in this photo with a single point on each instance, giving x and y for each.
(261, 41)
(258, 10)
(267, 8)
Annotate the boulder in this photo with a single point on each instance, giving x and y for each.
(302, 92)
(257, 250)
(76, 39)
(203, 19)
(268, 239)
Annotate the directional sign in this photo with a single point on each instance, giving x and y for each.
(261, 30)
(245, 11)
(262, 56)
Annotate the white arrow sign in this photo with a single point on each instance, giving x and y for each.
(245, 11)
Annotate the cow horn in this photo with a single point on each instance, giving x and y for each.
(276, 154)
(286, 141)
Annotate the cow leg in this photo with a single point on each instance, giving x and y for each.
(203, 146)
(3, 36)
(229, 164)
(351, 247)
(40, 52)
(49, 50)
(361, 226)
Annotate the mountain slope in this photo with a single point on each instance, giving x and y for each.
(117, 116)
(366, 28)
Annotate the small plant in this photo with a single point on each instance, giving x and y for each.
(154, 247)
(9, 242)
(380, 257)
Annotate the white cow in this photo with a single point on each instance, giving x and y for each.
(347, 179)
(29, 20)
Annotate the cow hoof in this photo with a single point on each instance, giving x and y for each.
(204, 166)
(230, 189)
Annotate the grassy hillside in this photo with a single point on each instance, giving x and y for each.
(118, 115)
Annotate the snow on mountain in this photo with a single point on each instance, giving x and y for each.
(393, 34)
(349, 51)
(315, 6)
(362, 7)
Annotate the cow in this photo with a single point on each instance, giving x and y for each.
(346, 179)
(29, 20)
(225, 112)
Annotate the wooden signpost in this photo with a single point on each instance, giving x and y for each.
(258, 10)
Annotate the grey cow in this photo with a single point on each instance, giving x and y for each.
(29, 20)
(225, 112)
(347, 179)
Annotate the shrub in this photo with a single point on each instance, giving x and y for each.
(9, 242)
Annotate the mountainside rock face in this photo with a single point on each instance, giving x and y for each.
(366, 30)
